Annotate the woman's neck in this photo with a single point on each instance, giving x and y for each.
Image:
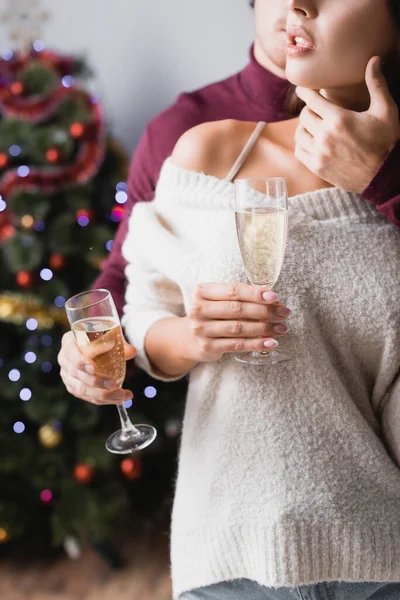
(354, 97)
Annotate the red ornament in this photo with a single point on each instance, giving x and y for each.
(77, 130)
(3, 160)
(24, 279)
(53, 155)
(132, 468)
(16, 88)
(57, 261)
(84, 473)
(6, 232)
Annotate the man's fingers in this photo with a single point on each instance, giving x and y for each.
(241, 292)
(303, 156)
(310, 121)
(382, 102)
(304, 139)
(318, 104)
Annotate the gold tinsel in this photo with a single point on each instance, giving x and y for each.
(18, 308)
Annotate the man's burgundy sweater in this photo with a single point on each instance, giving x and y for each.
(253, 94)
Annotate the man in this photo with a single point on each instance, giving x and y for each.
(257, 93)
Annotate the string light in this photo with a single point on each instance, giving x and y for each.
(3, 204)
(14, 150)
(39, 226)
(128, 403)
(67, 81)
(46, 274)
(19, 427)
(27, 221)
(30, 357)
(83, 220)
(47, 340)
(8, 54)
(31, 324)
(59, 301)
(121, 197)
(14, 375)
(25, 394)
(150, 392)
(23, 171)
(46, 496)
(116, 214)
(109, 245)
(121, 186)
(39, 45)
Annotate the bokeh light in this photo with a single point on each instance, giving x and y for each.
(23, 171)
(25, 394)
(14, 150)
(14, 375)
(46, 274)
(30, 357)
(19, 427)
(59, 301)
(121, 197)
(31, 324)
(68, 81)
(150, 391)
(46, 496)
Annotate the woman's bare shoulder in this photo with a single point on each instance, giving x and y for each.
(212, 147)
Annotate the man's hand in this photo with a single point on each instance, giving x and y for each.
(344, 147)
(78, 373)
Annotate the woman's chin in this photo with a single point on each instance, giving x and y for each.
(302, 76)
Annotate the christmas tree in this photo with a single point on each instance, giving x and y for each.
(62, 186)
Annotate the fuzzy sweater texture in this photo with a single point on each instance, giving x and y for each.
(288, 474)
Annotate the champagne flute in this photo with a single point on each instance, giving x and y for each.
(94, 321)
(261, 213)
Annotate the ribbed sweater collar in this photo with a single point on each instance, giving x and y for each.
(180, 186)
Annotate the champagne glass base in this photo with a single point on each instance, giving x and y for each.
(270, 357)
(121, 443)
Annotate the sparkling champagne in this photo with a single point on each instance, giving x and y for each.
(100, 338)
(262, 235)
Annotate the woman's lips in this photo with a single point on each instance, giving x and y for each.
(299, 42)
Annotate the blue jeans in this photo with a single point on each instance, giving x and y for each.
(250, 590)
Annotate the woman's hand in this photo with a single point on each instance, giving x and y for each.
(234, 317)
(78, 373)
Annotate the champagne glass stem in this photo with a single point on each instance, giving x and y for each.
(128, 429)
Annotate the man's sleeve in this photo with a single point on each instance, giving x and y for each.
(140, 188)
(384, 189)
(155, 146)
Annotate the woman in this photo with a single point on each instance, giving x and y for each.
(288, 485)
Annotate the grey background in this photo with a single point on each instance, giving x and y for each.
(145, 52)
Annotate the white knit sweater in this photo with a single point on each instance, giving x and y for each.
(287, 473)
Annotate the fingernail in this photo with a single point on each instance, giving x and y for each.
(270, 296)
(281, 329)
(110, 385)
(118, 396)
(282, 311)
(89, 369)
(271, 344)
